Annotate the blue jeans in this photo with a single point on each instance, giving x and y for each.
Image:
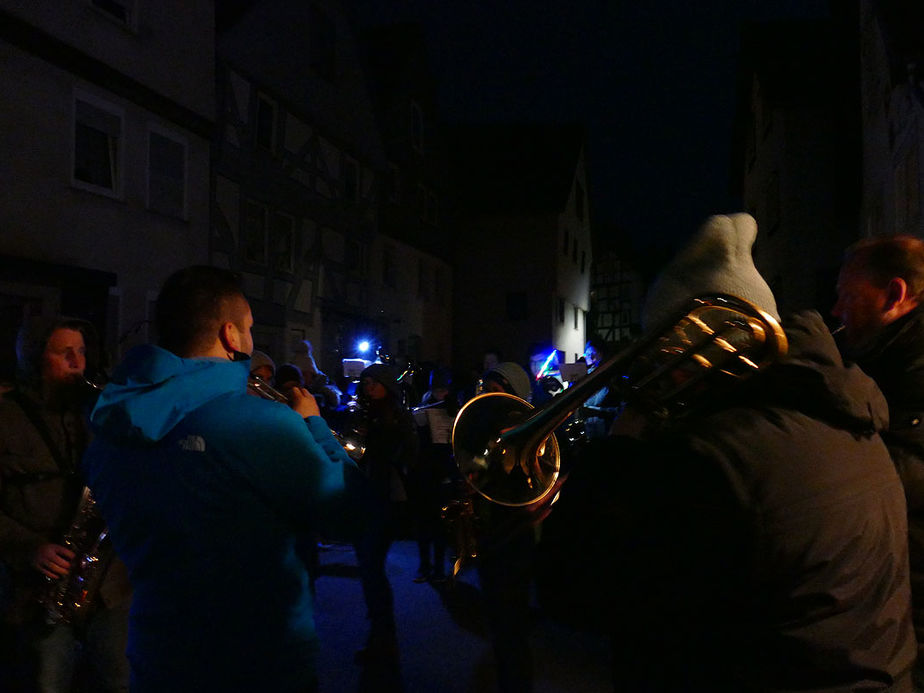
(94, 651)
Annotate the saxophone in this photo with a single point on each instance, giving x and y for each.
(67, 599)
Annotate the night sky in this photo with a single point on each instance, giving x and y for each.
(652, 82)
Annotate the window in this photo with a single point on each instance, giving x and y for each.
(561, 311)
(576, 312)
(254, 233)
(266, 122)
(283, 239)
(166, 173)
(97, 146)
(417, 127)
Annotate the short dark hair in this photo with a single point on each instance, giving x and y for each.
(192, 305)
(883, 258)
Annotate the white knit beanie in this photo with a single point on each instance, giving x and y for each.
(514, 374)
(258, 359)
(717, 260)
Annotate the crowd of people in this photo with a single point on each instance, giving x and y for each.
(768, 537)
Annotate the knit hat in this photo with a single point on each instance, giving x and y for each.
(717, 260)
(258, 359)
(384, 374)
(515, 376)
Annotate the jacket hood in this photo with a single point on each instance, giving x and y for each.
(153, 389)
(813, 378)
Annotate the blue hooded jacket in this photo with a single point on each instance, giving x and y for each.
(205, 489)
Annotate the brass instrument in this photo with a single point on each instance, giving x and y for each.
(506, 450)
(68, 598)
(352, 443)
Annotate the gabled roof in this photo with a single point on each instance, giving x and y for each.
(514, 167)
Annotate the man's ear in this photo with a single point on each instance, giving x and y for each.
(229, 337)
(898, 299)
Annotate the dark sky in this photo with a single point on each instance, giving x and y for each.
(652, 81)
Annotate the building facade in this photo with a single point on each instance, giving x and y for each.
(106, 127)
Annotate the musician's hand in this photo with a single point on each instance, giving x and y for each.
(303, 402)
(52, 560)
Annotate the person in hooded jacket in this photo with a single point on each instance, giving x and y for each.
(43, 433)
(757, 542)
(880, 305)
(391, 448)
(206, 490)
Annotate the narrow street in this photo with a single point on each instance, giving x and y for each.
(443, 641)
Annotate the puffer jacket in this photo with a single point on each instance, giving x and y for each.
(760, 544)
(206, 490)
(896, 363)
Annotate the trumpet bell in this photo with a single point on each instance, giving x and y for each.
(506, 474)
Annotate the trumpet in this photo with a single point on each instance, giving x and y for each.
(352, 443)
(507, 451)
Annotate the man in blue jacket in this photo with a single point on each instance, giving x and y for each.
(205, 490)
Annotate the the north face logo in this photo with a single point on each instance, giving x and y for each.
(193, 443)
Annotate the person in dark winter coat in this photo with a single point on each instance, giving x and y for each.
(43, 433)
(759, 542)
(880, 293)
(391, 447)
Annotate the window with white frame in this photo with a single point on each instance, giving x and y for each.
(166, 172)
(97, 145)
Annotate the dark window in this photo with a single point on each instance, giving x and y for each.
(576, 311)
(97, 143)
(283, 235)
(166, 175)
(254, 233)
(561, 311)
